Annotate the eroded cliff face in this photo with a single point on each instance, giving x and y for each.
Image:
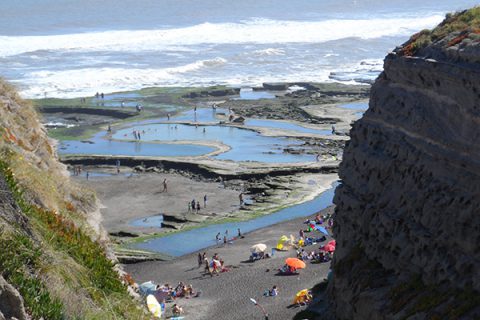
(407, 220)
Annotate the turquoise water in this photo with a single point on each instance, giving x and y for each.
(246, 145)
(127, 148)
(284, 125)
(182, 243)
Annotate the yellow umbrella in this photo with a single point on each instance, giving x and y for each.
(301, 296)
(153, 306)
(281, 244)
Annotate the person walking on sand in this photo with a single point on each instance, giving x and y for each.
(200, 260)
(204, 201)
(164, 185)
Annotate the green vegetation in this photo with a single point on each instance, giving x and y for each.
(18, 258)
(50, 256)
(22, 261)
(465, 24)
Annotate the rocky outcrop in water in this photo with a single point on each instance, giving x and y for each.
(406, 222)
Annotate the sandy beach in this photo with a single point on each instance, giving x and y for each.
(226, 296)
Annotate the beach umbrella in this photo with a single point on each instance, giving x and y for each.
(147, 288)
(153, 306)
(332, 242)
(295, 263)
(322, 230)
(257, 248)
(301, 295)
(283, 243)
(329, 247)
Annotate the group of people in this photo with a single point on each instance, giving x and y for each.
(213, 266)
(218, 237)
(77, 170)
(314, 256)
(137, 134)
(194, 205)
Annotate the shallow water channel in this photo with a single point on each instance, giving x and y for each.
(182, 243)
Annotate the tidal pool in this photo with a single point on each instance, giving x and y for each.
(246, 145)
(182, 243)
(102, 146)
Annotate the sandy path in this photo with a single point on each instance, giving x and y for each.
(227, 296)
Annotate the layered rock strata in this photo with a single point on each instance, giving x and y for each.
(407, 220)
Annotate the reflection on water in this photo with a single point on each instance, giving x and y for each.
(190, 241)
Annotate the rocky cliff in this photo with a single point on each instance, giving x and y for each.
(407, 220)
(53, 262)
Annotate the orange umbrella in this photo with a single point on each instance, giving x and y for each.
(296, 263)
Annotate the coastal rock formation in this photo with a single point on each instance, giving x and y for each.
(406, 222)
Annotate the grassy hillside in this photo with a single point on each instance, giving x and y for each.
(452, 31)
(48, 250)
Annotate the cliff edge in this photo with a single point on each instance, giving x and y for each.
(407, 220)
(53, 262)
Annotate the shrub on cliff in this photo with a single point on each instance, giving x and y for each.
(452, 31)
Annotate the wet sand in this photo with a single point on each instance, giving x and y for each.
(227, 296)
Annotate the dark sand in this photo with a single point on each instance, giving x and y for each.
(227, 296)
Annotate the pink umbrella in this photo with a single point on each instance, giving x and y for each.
(332, 242)
(329, 247)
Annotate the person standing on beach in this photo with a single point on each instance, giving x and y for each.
(200, 260)
(204, 201)
(164, 185)
(226, 233)
(189, 207)
(240, 197)
(239, 233)
(87, 175)
(198, 206)
(217, 238)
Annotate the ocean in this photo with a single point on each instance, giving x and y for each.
(68, 48)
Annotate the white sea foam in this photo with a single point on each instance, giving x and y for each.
(270, 52)
(260, 31)
(87, 81)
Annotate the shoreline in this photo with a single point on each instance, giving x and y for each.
(244, 279)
